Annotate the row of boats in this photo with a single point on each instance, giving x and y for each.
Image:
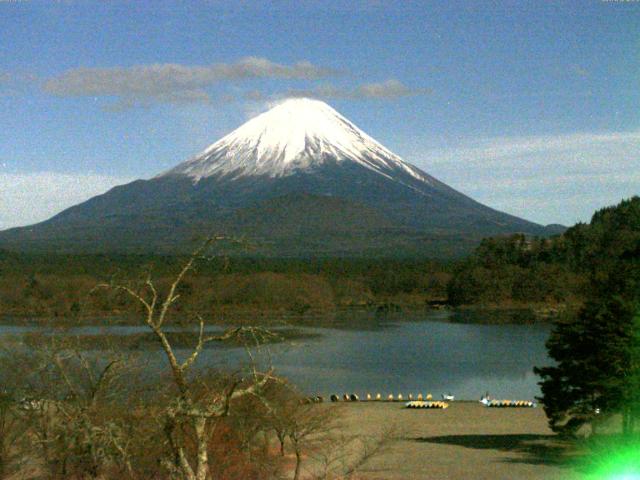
(427, 401)
(422, 404)
(390, 398)
(487, 403)
(493, 403)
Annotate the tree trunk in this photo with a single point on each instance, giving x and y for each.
(202, 469)
(180, 462)
(296, 474)
(266, 442)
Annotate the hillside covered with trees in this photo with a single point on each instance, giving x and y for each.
(513, 271)
(556, 270)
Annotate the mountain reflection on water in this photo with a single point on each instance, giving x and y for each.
(369, 353)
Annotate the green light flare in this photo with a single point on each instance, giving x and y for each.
(617, 463)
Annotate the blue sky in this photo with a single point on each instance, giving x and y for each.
(529, 107)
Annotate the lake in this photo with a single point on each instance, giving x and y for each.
(404, 353)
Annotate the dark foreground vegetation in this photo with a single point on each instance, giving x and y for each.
(67, 414)
(69, 411)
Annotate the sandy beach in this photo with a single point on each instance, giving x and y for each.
(465, 441)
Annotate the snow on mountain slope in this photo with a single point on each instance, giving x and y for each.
(296, 135)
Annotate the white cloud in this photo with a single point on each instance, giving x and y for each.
(548, 179)
(27, 198)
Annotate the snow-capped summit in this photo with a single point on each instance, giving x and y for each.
(295, 135)
(299, 180)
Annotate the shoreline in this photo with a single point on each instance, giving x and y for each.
(474, 314)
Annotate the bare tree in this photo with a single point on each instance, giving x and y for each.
(320, 442)
(190, 407)
(308, 428)
(71, 404)
(11, 431)
(343, 455)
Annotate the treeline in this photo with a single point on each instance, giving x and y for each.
(506, 271)
(517, 269)
(61, 285)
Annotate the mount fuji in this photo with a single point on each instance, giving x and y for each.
(298, 135)
(297, 180)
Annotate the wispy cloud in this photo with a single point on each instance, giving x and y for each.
(389, 90)
(256, 101)
(177, 84)
(33, 197)
(13, 83)
(173, 83)
(555, 178)
(180, 97)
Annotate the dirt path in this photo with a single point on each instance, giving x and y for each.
(465, 441)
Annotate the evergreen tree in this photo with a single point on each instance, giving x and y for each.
(593, 355)
(631, 401)
(597, 354)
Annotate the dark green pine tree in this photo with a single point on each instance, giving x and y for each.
(593, 365)
(597, 354)
(631, 401)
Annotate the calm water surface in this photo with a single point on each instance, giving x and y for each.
(401, 353)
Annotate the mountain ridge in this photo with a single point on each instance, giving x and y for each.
(300, 155)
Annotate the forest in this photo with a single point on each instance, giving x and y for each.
(509, 271)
